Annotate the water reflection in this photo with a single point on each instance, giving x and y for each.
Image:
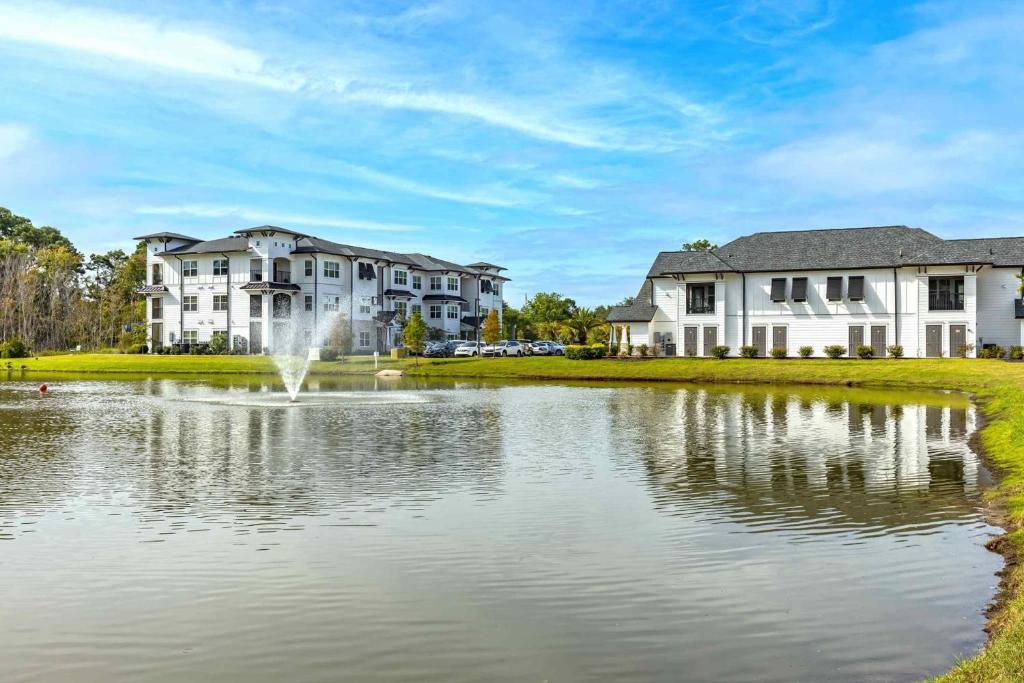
(166, 530)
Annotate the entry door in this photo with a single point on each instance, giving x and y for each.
(255, 337)
(933, 341)
(157, 335)
(710, 339)
(780, 338)
(878, 340)
(957, 338)
(856, 339)
(690, 341)
(760, 338)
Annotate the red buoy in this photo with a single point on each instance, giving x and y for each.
(42, 388)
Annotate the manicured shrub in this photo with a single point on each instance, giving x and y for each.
(719, 352)
(218, 343)
(642, 350)
(894, 351)
(865, 352)
(329, 353)
(964, 350)
(992, 352)
(999, 352)
(629, 349)
(779, 352)
(590, 352)
(137, 348)
(806, 351)
(1016, 352)
(834, 351)
(748, 351)
(14, 348)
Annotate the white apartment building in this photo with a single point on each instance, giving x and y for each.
(873, 286)
(261, 283)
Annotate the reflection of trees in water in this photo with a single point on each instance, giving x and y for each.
(761, 457)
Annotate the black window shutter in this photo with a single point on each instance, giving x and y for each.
(834, 289)
(778, 289)
(799, 289)
(362, 271)
(371, 271)
(856, 288)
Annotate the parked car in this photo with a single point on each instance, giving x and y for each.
(445, 349)
(527, 348)
(470, 348)
(540, 348)
(557, 349)
(550, 348)
(503, 348)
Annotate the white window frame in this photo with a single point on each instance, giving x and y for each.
(332, 269)
(223, 298)
(190, 337)
(190, 303)
(364, 339)
(402, 308)
(451, 312)
(417, 308)
(402, 277)
(436, 283)
(220, 267)
(453, 284)
(417, 282)
(309, 268)
(190, 268)
(307, 302)
(435, 308)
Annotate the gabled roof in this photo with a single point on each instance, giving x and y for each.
(212, 246)
(167, 235)
(670, 262)
(997, 251)
(484, 264)
(877, 247)
(640, 310)
(268, 228)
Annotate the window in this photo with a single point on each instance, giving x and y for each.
(453, 284)
(309, 267)
(496, 292)
(855, 288)
(255, 305)
(190, 304)
(364, 308)
(417, 282)
(435, 311)
(435, 283)
(485, 286)
(220, 266)
(364, 339)
(158, 274)
(220, 302)
(484, 311)
(834, 289)
(453, 312)
(332, 304)
(190, 336)
(700, 298)
(401, 277)
(308, 301)
(416, 308)
(366, 271)
(799, 289)
(946, 294)
(401, 308)
(778, 289)
(190, 268)
(332, 269)
(157, 308)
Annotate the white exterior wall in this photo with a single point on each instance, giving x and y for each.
(988, 313)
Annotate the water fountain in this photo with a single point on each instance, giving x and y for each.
(292, 340)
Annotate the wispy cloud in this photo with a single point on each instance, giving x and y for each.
(498, 196)
(283, 218)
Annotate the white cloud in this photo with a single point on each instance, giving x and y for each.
(495, 197)
(14, 138)
(137, 39)
(285, 219)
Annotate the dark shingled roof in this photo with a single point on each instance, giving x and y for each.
(997, 251)
(269, 228)
(213, 246)
(640, 310)
(270, 286)
(881, 247)
(669, 262)
(485, 264)
(152, 289)
(398, 293)
(443, 297)
(167, 235)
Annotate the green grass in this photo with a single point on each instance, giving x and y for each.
(997, 385)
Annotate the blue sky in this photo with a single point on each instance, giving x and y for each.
(566, 141)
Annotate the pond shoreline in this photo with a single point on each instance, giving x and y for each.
(996, 386)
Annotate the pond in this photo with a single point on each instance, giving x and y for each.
(163, 530)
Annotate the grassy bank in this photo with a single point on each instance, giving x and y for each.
(997, 385)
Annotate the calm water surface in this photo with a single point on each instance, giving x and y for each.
(161, 530)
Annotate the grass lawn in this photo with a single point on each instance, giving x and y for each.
(997, 385)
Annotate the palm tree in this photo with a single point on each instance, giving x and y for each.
(581, 322)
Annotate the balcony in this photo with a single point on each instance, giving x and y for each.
(700, 309)
(255, 275)
(282, 275)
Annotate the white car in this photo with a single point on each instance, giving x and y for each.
(503, 348)
(553, 348)
(541, 348)
(470, 348)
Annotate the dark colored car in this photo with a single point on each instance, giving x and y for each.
(442, 349)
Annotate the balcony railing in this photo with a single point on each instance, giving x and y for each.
(255, 275)
(945, 303)
(158, 279)
(699, 309)
(282, 275)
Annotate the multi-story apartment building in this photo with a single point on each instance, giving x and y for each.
(854, 286)
(261, 284)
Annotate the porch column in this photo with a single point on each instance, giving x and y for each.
(266, 305)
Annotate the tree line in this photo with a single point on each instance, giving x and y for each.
(54, 298)
(550, 315)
